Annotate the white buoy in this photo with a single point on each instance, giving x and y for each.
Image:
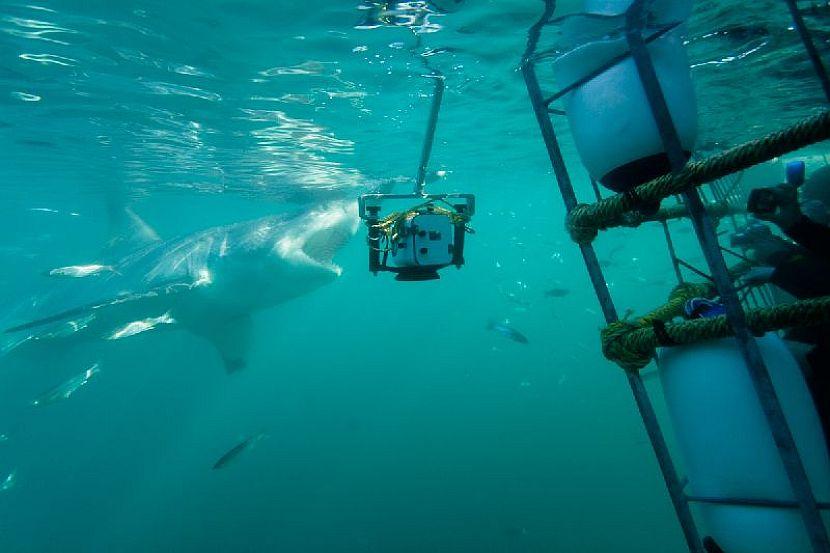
(727, 445)
(610, 118)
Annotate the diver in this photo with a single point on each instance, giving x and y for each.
(799, 268)
(803, 221)
(802, 268)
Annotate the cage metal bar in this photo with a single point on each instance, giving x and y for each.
(595, 188)
(694, 269)
(675, 261)
(641, 397)
(810, 47)
(709, 244)
(743, 502)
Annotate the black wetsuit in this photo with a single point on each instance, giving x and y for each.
(812, 236)
(804, 272)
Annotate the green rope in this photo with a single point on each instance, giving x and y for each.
(677, 299)
(632, 345)
(585, 221)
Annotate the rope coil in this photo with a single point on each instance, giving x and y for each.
(585, 221)
(391, 226)
(633, 344)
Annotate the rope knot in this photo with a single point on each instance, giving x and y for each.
(581, 234)
(688, 290)
(617, 346)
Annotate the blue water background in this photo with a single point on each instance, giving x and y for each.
(395, 421)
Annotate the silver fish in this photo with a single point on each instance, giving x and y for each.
(507, 331)
(137, 327)
(81, 271)
(9, 482)
(234, 452)
(65, 390)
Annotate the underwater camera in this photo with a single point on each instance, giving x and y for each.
(765, 201)
(420, 238)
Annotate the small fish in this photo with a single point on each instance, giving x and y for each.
(3, 438)
(557, 293)
(234, 452)
(137, 327)
(36, 143)
(81, 271)
(9, 482)
(611, 260)
(435, 176)
(65, 390)
(507, 331)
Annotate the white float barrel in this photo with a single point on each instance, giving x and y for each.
(727, 445)
(610, 117)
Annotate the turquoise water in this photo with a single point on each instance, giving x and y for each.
(392, 419)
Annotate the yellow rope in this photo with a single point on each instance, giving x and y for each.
(390, 226)
(585, 221)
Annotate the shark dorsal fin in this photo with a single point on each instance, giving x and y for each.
(128, 232)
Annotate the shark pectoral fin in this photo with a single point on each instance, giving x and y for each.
(232, 339)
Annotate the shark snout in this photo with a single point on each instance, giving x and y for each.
(321, 235)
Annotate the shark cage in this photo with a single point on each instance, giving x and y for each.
(636, 77)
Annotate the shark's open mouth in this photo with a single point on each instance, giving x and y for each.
(323, 245)
(325, 233)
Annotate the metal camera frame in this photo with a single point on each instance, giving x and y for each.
(369, 209)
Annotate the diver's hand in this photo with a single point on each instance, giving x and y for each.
(757, 276)
(787, 211)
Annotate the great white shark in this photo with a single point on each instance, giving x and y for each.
(208, 283)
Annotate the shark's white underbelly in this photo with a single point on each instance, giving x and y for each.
(243, 288)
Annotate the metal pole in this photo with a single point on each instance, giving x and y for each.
(426, 151)
(646, 409)
(773, 503)
(597, 193)
(810, 46)
(672, 252)
(709, 243)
